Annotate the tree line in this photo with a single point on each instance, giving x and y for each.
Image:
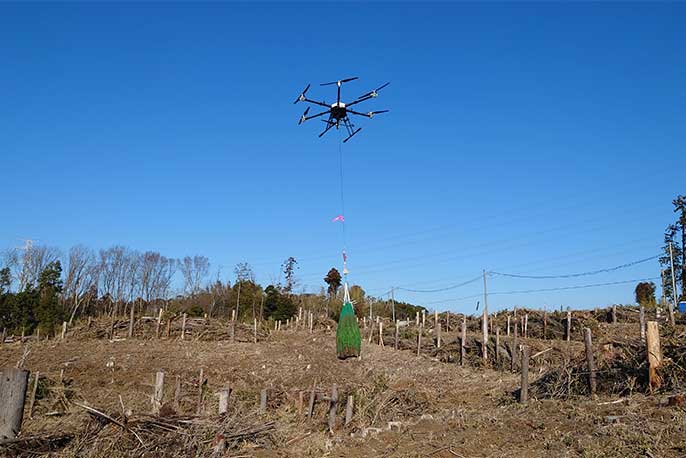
(41, 287)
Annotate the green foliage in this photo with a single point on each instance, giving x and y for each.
(289, 267)
(17, 310)
(645, 294)
(195, 312)
(5, 280)
(49, 310)
(675, 234)
(333, 279)
(348, 340)
(278, 306)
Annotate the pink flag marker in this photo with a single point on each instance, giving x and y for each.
(338, 218)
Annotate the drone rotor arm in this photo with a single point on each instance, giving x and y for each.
(356, 112)
(321, 104)
(361, 99)
(316, 115)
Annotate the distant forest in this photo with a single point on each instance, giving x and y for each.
(42, 287)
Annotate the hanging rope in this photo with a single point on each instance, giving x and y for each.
(343, 235)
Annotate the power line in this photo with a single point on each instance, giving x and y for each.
(575, 287)
(580, 274)
(440, 289)
(559, 288)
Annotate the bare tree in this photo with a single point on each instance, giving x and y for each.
(156, 272)
(33, 261)
(113, 275)
(81, 275)
(194, 270)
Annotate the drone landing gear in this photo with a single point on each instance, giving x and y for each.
(350, 128)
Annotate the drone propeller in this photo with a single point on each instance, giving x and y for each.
(374, 93)
(301, 97)
(303, 118)
(340, 81)
(372, 113)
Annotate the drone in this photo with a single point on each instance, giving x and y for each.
(338, 112)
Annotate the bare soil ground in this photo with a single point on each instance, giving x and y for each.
(441, 409)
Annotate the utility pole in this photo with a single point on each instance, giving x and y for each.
(393, 302)
(662, 284)
(674, 294)
(238, 299)
(484, 323)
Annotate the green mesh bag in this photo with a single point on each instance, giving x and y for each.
(348, 340)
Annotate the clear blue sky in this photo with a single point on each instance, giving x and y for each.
(526, 138)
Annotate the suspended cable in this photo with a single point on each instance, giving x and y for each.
(580, 274)
(573, 287)
(437, 290)
(560, 288)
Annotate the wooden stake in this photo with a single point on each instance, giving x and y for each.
(484, 338)
(158, 326)
(397, 335)
(131, 319)
(263, 400)
(381, 333)
(417, 319)
(201, 382)
(463, 341)
(349, 410)
(569, 325)
(642, 322)
(526, 325)
(255, 331)
(654, 354)
(333, 404)
(508, 325)
(32, 401)
(447, 321)
(183, 327)
(223, 401)
(438, 335)
(64, 330)
(158, 393)
(515, 351)
(588, 343)
(545, 323)
(301, 401)
(13, 384)
(614, 314)
(177, 393)
(524, 391)
(313, 396)
(419, 339)
(497, 346)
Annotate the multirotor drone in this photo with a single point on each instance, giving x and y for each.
(338, 112)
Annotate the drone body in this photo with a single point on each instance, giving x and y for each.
(338, 112)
